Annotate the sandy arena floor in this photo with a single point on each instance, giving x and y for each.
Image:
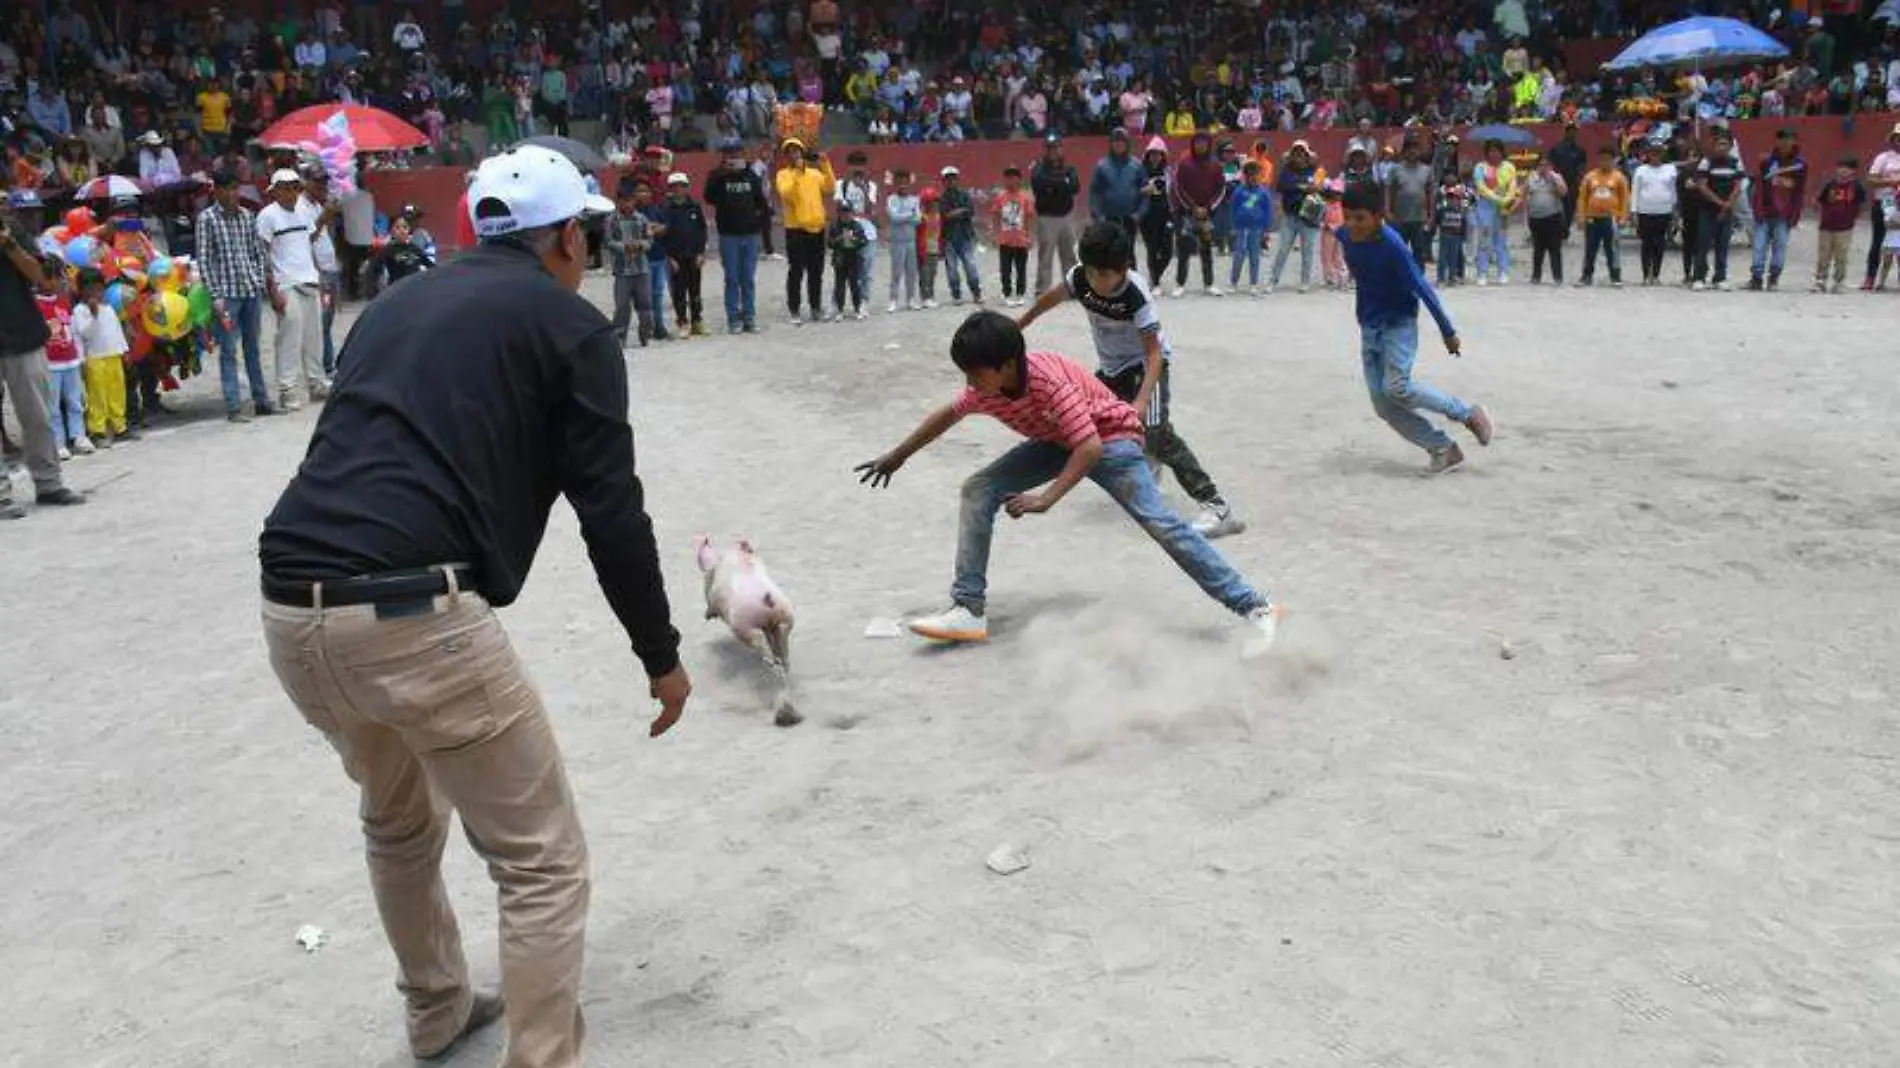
(1662, 834)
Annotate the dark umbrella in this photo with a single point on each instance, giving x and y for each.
(582, 156)
(1509, 136)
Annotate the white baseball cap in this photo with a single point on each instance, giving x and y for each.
(285, 177)
(950, 172)
(536, 186)
(678, 178)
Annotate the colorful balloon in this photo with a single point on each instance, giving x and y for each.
(50, 246)
(167, 316)
(198, 299)
(132, 270)
(119, 296)
(83, 251)
(159, 267)
(80, 220)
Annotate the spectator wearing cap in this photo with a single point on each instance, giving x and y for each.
(805, 183)
(318, 201)
(741, 212)
(1115, 186)
(958, 212)
(1056, 186)
(231, 260)
(158, 164)
(417, 511)
(685, 244)
(287, 226)
(1883, 182)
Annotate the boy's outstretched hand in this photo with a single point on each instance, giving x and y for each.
(877, 474)
(1454, 346)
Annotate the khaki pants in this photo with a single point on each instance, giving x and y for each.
(1055, 240)
(299, 348)
(433, 714)
(1831, 249)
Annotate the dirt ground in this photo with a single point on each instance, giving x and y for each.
(1663, 832)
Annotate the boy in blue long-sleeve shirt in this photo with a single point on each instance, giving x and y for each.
(1390, 288)
(1253, 219)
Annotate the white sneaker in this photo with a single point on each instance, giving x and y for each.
(836, 314)
(956, 302)
(892, 310)
(931, 303)
(1268, 290)
(858, 315)
(1265, 623)
(1698, 287)
(1723, 287)
(1304, 288)
(915, 305)
(83, 445)
(1253, 291)
(65, 453)
(796, 321)
(1215, 291)
(959, 624)
(1504, 279)
(1217, 520)
(1481, 282)
(1178, 292)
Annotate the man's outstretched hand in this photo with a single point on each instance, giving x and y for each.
(877, 474)
(1454, 346)
(671, 690)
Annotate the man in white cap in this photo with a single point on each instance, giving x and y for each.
(466, 400)
(289, 227)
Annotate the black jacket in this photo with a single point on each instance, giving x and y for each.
(685, 235)
(1055, 189)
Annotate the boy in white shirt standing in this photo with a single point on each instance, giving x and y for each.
(288, 227)
(1653, 194)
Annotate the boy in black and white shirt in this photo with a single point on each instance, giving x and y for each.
(1717, 187)
(1134, 356)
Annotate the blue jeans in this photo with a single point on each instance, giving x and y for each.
(739, 259)
(657, 272)
(1771, 235)
(66, 403)
(1451, 258)
(1600, 235)
(1388, 353)
(1291, 230)
(1122, 472)
(245, 314)
(1713, 235)
(1491, 246)
(960, 257)
(331, 288)
(1247, 250)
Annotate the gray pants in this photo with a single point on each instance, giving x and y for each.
(1054, 237)
(26, 379)
(299, 349)
(633, 293)
(904, 272)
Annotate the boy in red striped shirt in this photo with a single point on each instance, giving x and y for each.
(1077, 429)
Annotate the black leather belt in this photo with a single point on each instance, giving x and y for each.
(415, 584)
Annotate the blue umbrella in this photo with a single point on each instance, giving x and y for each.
(1509, 136)
(1696, 41)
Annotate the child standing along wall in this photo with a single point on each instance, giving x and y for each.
(1015, 211)
(102, 345)
(66, 387)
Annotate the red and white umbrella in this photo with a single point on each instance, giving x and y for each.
(373, 129)
(110, 186)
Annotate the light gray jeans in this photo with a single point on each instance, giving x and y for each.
(25, 379)
(299, 342)
(1055, 238)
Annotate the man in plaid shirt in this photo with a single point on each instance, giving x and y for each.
(231, 259)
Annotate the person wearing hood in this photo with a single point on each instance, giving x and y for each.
(1301, 210)
(1115, 187)
(1199, 189)
(1156, 214)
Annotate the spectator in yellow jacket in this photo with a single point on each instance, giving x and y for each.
(805, 183)
(1180, 121)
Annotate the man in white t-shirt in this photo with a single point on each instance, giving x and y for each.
(1883, 185)
(359, 233)
(288, 228)
(408, 36)
(317, 200)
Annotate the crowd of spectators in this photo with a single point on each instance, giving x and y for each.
(147, 91)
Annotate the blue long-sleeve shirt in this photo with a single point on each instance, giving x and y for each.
(1390, 284)
(1253, 207)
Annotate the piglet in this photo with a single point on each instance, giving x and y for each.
(741, 594)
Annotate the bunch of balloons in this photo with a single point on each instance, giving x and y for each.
(335, 148)
(158, 293)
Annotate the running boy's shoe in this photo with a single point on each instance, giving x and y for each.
(1479, 424)
(1445, 459)
(958, 624)
(1217, 520)
(1265, 622)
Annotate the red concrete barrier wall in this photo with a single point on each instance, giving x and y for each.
(436, 189)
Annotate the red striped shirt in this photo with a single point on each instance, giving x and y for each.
(1064, 405)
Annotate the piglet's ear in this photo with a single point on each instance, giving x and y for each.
(704, 550)
(745, 546)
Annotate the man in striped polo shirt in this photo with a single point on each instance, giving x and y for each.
(1076, 429)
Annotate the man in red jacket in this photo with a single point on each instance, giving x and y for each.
(1198, 188)
(1781, 184)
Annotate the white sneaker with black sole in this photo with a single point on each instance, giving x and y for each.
(1264, 622)
(957, 624)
